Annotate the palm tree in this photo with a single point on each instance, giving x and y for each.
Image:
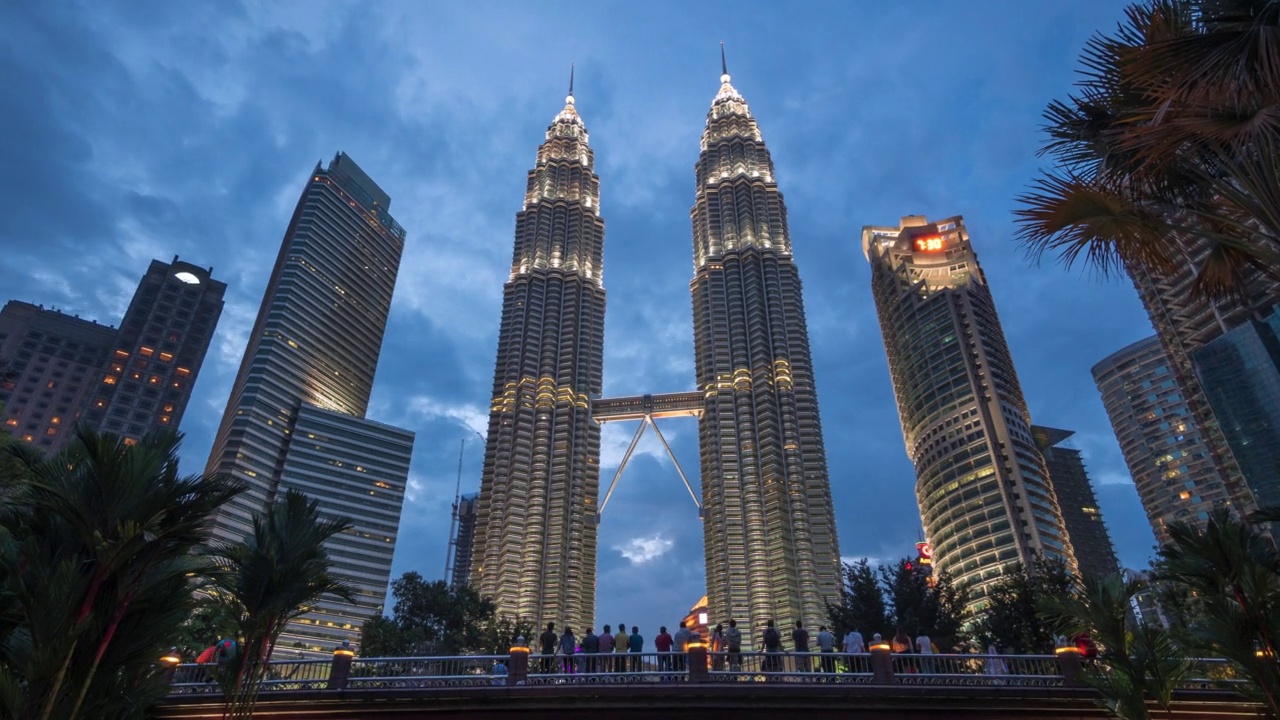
(96, 556)
(1234, 571)
(269, 579)
(1135, 660)
(1170, 149)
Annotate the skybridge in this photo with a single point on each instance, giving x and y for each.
(647, 409)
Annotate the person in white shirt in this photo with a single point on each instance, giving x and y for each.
(853, 642)
(924, 646)
(853, 645)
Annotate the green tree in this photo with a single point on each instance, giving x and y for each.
(1136, 660)
(207, 623)
(1168, 146)
(1234, 572)
(862, 605)
(268, 580)
(1011, 619)
(96, 551)
(920, 602)
(430, 618)
(500, 634)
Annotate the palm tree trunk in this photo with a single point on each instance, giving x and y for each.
(102, 650)
(57, 682)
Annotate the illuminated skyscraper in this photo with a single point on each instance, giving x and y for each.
(1170, 461)
(769, 529)
(1191, 331)
(295, 418)
(984, 491)
(535, 539)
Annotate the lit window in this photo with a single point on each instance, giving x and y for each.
(155, 380)
(136, 376)
(51, 384)
(11, 422)
(145, 351)
(28, 438)
(164, 419)
(183, 372)
(51, 431)
(110, 380)
(100, 403)
(166, 357)
(130, 441)
(55, 420)
(122, 354)
(168, 407)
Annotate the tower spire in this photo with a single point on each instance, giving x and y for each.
(724, 66)
(570, 79)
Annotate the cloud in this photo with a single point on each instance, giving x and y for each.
(641, 550)
(471, 417)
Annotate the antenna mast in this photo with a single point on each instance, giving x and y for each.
(452, 547)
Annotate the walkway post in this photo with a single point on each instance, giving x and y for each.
(1069, 665)
(881, 663)
(340, 668)
(168, 664)
(518, 663)
(696, 658)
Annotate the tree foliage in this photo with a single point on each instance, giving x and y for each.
(433, 618)
(1011, 619)
(1233, 570)
(269, 579)
(862, 604)
(900, 595)
(96, 550)
(1137, 660)
(1169, 148)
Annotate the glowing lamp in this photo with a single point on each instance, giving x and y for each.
(696, 645)
(171, 658)
(344, 652)
(518, 649)
(702, 618)
(1067, 650)
(880, 646)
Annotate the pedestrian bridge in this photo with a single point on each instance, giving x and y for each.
(675, 685)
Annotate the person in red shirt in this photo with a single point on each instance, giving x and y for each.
(663, 643)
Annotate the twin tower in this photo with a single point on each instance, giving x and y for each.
(770, 534)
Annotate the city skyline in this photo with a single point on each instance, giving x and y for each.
(447, 126)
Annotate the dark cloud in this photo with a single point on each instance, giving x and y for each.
(142, 130)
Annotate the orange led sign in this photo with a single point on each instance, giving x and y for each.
(929, 243)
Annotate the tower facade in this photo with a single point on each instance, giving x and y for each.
(1095, 554)
(535, 541)
(769, 528)
(1168, 456)
(295, 418)
(126, 381)
(158, 350)
(984, 491)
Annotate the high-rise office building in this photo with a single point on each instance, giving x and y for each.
(295, 418)
(1240, 374)
(1185, 322)
(1095, 554)
(1172, 466)
(158, 351)
(985, 495)
(463, 540)
(56, 362)
(769, 528)
(128, 381)
(535, 540)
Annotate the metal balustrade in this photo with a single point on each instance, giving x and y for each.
(948, 670)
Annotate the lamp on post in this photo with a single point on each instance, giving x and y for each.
(518, 663)
(881, 661)
(1069, 664)
(168, 665)
(340, 669)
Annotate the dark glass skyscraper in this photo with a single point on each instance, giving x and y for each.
(769, 529)
(535, 540)
(295, 418)
(985, 495)
(1095, 554)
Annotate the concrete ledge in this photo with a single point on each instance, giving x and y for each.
(744, 701)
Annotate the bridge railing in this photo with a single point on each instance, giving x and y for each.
(345, 671)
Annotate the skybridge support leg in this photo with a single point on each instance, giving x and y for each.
(622, 466)
(696, 502)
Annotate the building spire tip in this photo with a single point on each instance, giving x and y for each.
(569, 100)
(724, 66)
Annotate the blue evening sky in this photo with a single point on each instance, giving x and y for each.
(134, 131)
